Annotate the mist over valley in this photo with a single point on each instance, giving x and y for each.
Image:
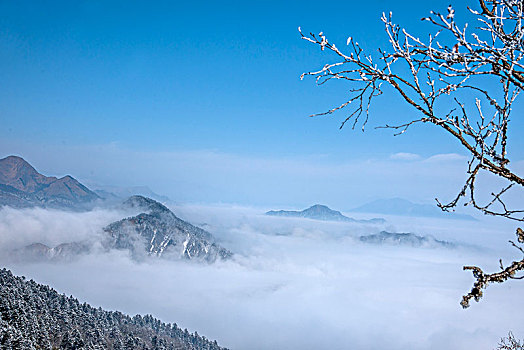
(231, 272)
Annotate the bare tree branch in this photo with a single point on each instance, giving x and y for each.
(479, 72)
(483, 280)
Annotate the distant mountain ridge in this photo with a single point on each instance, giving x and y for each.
(157, 231)
(403, 207)
(321, 212)
(39, 252)
(120, 192)
(21, 186)
(405, 239)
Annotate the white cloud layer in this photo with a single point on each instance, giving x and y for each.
(294, 283)
(405, 156)
(51, 227)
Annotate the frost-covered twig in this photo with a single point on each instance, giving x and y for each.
(462, 80)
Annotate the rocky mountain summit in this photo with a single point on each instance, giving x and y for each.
(321, 212)
(21, 186)
(157, 231)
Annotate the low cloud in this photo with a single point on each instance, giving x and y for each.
(294, 283)
(405, 156)
(446, 157)
(19, 228)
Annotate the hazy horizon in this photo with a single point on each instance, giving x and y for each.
(210, 177)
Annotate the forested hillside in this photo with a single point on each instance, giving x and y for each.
(35, 316)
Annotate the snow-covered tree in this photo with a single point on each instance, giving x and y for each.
(34, 316)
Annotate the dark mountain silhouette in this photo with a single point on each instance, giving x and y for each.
(21, 186)
(321, 212)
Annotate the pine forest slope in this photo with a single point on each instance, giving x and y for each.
(35, 316)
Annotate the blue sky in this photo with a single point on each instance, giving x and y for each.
(200, 78)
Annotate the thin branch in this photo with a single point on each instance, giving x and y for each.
(452, 65)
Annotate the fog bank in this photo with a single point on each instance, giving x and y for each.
(294, 283)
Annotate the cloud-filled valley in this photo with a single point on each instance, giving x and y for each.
(292, 283)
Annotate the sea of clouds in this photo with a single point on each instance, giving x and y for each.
(293, 283)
